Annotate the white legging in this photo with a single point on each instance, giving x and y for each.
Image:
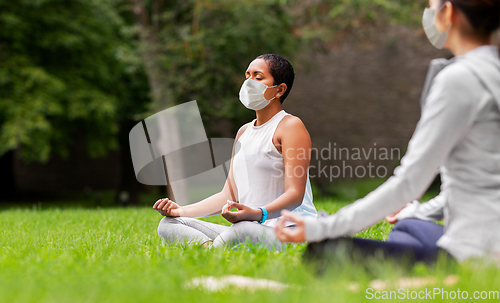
(194, 231)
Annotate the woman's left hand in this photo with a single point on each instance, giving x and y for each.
(296, 234)
(243, 213)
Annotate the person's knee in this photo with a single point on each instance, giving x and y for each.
(404, 225)
(403, 232)
(395, 235)
(243, 226)
(400, 229)
(165, 228)
(166, 221)
(237, 233)
(410, 226)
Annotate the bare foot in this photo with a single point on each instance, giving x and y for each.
(207, 244)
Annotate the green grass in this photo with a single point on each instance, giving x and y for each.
(115, 255)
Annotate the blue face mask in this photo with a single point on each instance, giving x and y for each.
(437, 38)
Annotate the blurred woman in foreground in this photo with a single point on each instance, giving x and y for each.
(458, 134)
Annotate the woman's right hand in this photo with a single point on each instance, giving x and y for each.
(393, 219)
(168, 208)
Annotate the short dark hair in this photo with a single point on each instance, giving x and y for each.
(483, 15)
(281, 70)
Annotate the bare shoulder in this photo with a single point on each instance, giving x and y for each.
(241, 130)
(292, 123)
(292, 128)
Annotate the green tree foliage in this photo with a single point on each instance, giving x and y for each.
(223, 38)
(333, 21)
(72, 68)
(204, 48)
(65, 71)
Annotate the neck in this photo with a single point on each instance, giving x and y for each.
(461, 45)
(268, 112)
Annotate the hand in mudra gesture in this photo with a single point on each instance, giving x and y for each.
(168, 208)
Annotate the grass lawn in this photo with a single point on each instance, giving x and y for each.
(115, 255)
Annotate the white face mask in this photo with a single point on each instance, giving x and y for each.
(436, 37)
(252, 94)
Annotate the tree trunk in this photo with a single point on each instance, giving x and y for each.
(152, 54)
(7, 181)
(128, 189)
(150, 50)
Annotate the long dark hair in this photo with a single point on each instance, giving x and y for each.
(483, 15)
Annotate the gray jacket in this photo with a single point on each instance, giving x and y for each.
(459, 135)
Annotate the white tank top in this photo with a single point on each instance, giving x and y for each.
(259, 170)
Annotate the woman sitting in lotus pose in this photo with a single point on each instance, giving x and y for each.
(268, 173)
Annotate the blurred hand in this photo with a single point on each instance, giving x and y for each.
(243, 213)
(392, 219)
(168, 208)
(294, 235)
